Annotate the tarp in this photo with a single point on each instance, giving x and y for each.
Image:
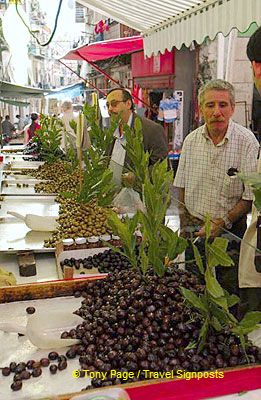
(169, 23)
(71, 92)
(10, 90)
(105, 49)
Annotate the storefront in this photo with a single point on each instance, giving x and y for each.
(153, 82)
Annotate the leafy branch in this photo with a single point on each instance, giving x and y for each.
(101, 139)
(71, 156)
(97, 180)
(159, 245)
(214, 305)
(137, 158)
(48, 138)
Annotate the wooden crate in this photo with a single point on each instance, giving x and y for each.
(61, 255)
(44, 290)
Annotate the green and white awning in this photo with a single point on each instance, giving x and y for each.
(168, 23)
(15, 102)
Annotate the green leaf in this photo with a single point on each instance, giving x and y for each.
(198, 259)
(254, 180)
(194, 300)
(203, 334)
(217, 256)
(137, 125)
(212, 285)
(144, 260)
(232, 299)
(191, 345)
(257, 201)
(219, 313)
(220, 301)
(207, 227)
(250, 321)
(181, 246)
(216, 324)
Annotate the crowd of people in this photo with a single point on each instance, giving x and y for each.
(21, 127)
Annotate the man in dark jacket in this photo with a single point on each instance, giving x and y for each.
(249, 275)
(254, 55)
(119, 102)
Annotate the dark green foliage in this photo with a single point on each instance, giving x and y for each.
(214, 305)
(48, 138)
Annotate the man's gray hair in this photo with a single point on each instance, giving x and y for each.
(67, 105)
(216, 84)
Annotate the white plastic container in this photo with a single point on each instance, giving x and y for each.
(105, 238)
(80, 240)
(93, 239)
(106, 394)
(115, 237)
(68, 242)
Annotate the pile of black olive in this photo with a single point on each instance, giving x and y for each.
(132, 324)
(25, 370)
(135, 323)
(106, 262)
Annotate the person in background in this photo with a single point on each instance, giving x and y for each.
(210, 156)
(20, 122)
(27, 120)
(29, 130)
(1, 130)
(8, 129)
(249, 275)
(66, 116)
(256, 114)
(120, 102)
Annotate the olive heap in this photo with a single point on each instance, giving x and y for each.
(132, 324)
(79, 220)
(57, 176)
(106, 262)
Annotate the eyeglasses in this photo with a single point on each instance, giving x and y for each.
(114, 103)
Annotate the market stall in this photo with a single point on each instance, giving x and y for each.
(142, 311)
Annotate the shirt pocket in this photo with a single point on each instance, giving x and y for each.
(232, 187)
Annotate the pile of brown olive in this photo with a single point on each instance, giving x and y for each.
(59, 179)
(57, 176)
(79, 220)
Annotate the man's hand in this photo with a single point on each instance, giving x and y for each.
(128, 179)
(216, 228)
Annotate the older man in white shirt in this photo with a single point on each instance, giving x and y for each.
(210, 157)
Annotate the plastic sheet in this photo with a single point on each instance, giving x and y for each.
(15, 348)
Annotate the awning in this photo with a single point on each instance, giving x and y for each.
(169, 23)
(10, 90)
(15, 103)
(106, 49)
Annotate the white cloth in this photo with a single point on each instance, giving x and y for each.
(203, 170)
(118, 155)
(247, 274)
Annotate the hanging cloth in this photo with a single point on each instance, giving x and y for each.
(168, 110)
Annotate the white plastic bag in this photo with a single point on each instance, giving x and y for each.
(128, 201)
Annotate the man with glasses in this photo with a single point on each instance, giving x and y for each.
(119, 102)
